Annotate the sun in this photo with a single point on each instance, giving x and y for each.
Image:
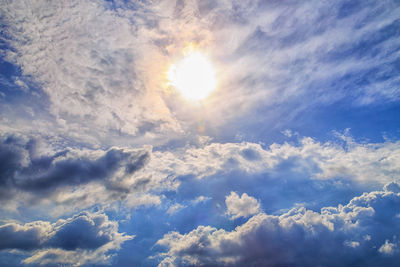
(193, 76)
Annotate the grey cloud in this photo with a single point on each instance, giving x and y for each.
(86, 235)
(76, 171)
(71, 179)
(299, 237)
(21, 169)
(21, 237)
(393, 187)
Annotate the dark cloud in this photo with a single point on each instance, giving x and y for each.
(86, 237)
(83, 231)
(21, 169)
(18, 237)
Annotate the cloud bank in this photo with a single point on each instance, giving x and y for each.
(362, 232)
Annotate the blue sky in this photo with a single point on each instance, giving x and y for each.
(293, 159)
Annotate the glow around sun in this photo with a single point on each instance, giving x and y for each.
(193, 76)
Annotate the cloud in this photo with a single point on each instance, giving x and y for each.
(334, 236)
(85, 177)
(22, 169)
(200, 199)
(102, 64)
(241, 206)
(175, 208)
(87, 77)
(372, 162)
(392, 187)
(72, 178)
(388, 248)
(89, 61)
(83, 238)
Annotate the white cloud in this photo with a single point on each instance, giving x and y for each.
(388, 248)
(352, 244)
(90, 61)
(103, 68)
(293, 237)
(241, 206)
(377, 163)
(200, 199)
(175, 208)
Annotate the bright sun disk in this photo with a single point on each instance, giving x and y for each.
(193, 76)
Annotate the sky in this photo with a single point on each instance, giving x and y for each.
(292, 159)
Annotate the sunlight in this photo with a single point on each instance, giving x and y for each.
(193, 76)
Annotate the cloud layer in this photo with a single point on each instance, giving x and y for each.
(102, 65)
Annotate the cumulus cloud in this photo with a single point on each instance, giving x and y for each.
(376, 163)
(393, 187)
(332, 237)
(21, 168)
(72, 178)
(241, 206)
(83, 238)
(138, 176)
(388, 248)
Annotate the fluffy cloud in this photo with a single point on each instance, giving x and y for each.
(84, 177)
(83, 238)
(242, 206)
(357, 232)
(74, 177)
(388, 248)
(375, 163)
